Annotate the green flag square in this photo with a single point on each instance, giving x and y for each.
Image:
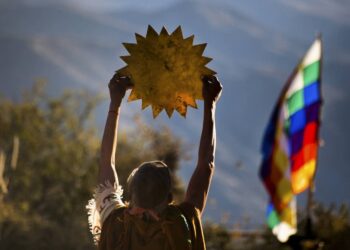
(272, 219)
(295, 102)
(311, 73)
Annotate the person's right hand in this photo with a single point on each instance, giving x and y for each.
(212, 88)
(118, 86)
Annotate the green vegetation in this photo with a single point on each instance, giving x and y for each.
(43, 195)
(56, 171)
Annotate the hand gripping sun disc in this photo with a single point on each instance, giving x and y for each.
(166, 71)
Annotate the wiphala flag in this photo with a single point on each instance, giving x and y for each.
(291, 140)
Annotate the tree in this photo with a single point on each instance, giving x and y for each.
(330, 224)
(330, 231)
(57, 167)
(217, 237)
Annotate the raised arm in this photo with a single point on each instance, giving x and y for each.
(198, 187)
(117, 88)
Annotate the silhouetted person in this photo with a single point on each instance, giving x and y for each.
(150, 220)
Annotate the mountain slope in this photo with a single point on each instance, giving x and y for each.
(79, 49)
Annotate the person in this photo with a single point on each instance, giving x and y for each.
(150, 220)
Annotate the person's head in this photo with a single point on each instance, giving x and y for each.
(149, 185)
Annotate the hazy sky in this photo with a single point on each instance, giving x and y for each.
(254, 41)
(331, 9)
(107, 5)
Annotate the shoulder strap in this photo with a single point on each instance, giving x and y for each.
(193, 218)
(112, 230)
(176, 229)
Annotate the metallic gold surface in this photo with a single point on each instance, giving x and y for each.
(166, 71)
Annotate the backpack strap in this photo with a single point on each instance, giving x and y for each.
(175, 228)
(127, 230)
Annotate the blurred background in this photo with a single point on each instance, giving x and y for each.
(56, 58)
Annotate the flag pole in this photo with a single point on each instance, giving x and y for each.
(311, 189)
(310, 196)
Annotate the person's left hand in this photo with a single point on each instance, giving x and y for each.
(118, 86)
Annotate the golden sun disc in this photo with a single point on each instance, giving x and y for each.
(166, 70)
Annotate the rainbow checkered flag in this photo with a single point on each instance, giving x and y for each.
(290, 142)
